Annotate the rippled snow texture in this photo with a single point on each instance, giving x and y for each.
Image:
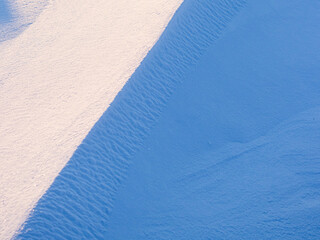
(215, 136)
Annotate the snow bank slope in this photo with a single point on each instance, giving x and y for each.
(56, 79)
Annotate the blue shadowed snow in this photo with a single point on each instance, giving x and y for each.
(215, 136)
(4, 12)
(13, 23)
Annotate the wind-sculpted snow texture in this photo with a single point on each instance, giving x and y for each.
(215, 136)
(17, 15)
(57, 78)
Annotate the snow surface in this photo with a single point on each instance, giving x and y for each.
(17, 15)
(4, 12)
(57, 77)
(215, 136)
